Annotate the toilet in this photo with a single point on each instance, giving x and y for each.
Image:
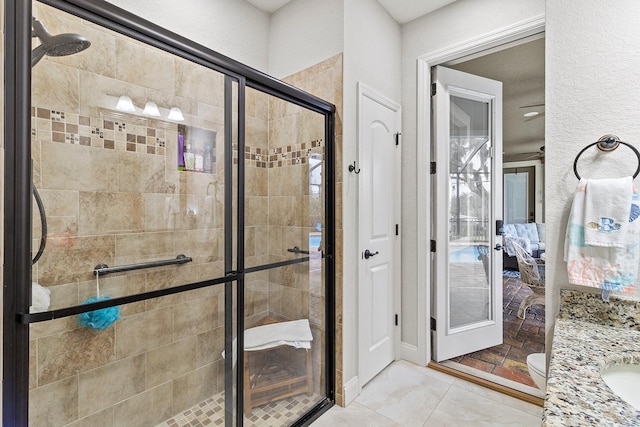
(537, 364)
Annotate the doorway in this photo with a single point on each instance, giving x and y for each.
(521, 69)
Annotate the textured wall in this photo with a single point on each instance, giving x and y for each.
(592, 86)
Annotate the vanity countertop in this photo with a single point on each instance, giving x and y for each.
(586, 341)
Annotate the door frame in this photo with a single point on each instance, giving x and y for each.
(539, 184)
(366, 91)
(511, 35)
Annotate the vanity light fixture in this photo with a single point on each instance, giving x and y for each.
(175, 114)
(151, 109)
(125, 104)
(531, 114)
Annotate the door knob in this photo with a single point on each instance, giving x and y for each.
(498, 247)
(368, 254)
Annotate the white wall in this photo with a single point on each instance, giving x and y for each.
(233, 28)
(372, 42)
(592, 88)
(451, 25)
(304, 33)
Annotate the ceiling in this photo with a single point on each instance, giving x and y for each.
(521, 71)
(402, 10)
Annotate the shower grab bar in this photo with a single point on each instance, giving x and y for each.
(297, 250)
(102, 269)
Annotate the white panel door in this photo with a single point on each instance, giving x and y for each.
(379, 212)
(467, 285)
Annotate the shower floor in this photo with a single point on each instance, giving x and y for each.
(275, 414)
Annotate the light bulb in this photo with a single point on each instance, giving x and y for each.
(125, 104)
(151, 109)
(175, 114)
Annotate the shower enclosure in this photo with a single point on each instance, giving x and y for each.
(185, 242)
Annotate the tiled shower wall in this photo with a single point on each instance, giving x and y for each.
(113, 195)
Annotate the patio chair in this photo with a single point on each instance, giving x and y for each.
(532, 274)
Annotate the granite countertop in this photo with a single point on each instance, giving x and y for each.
(589, 336)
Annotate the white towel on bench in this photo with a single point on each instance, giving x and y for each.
(294, 333)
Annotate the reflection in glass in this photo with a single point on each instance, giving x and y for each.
(469, 212)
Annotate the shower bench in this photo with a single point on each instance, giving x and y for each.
(275, 373)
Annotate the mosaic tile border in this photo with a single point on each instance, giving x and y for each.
(107, 133)
(280, 156)
(274, 414)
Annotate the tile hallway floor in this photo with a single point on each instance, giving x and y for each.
(408, 395)
(521, 338)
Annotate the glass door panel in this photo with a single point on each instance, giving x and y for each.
(469, 212)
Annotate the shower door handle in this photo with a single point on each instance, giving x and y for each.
(368, 254)
(498, 247)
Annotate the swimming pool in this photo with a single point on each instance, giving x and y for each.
(314, 240)
(467, 254)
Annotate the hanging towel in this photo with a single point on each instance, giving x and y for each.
(605, 267)
(607, 206)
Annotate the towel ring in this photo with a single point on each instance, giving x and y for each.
(607, 143)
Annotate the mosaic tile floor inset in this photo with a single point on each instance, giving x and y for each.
(275, 414)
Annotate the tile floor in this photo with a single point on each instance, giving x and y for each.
(521, 338)
(409, 395)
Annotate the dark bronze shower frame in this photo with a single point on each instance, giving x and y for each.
(18, 204)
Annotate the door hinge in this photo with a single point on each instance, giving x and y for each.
(398, 137)
(396, 320)
(433, 324)
(433, 168)
(397, 229)
(433, 246)
(433, 89)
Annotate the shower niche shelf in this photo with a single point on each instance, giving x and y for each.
(196, 149)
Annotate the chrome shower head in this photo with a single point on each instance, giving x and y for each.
(59, 45)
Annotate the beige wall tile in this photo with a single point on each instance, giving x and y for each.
(146, 409)
(288, 181)
(171, 361)
(103, 387)
(199, 83)
(110, 213)
(141, 173)
(196, 317)
(33, 364)
(256, 210)
(284, 210)
(194, 387)
(102, 418)
(55, 404)
(58, 355)
(60, 202)
(202, 245)
(257, 181)
(116, 286)
(160, 75)
(143, 332)
(141, 247)
(209, 346)
(74, 167)
(55, 86)
(72, 259)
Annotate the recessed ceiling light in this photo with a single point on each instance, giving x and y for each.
(531, 113)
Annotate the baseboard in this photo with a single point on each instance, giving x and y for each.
(486, 383)
(409, 352)
(351, 390)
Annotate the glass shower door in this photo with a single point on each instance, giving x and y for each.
(131, 150)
